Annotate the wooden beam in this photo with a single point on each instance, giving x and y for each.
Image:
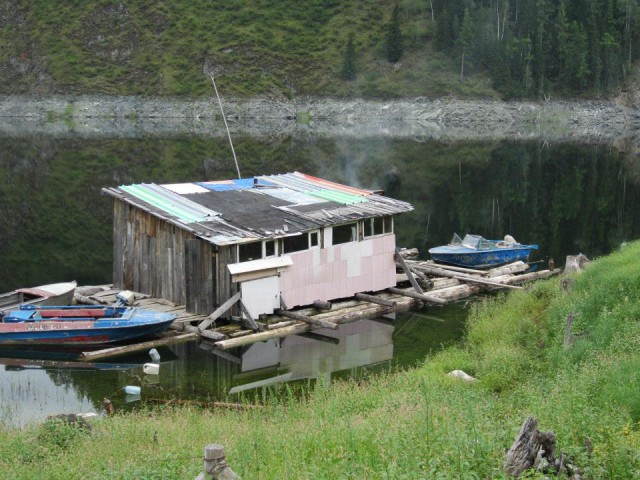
(223, 308)
(420, 296)
(377, 300)
(210, 334)
(407, 271)
(306, 319)
(252, 323)
(113, 351)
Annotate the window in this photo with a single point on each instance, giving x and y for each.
(388, 224)
(345, 233)
(269, 248)
(295, 243)
(249, 251)
(377, 226)
(314, 239)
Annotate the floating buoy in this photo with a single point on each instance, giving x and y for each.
(151, 368)
(132, 390)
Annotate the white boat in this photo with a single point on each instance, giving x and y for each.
(54, 294)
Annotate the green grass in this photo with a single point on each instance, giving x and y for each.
(276, 49)
(405, 425)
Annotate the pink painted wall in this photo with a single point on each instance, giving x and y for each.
(339, 271)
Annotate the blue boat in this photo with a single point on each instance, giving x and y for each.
(477, 252)
(80, 325)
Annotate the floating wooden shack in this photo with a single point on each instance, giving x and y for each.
(263, 243)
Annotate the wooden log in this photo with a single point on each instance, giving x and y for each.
(463, 277)
(322, 305)
(515, 267)
(420, 296)
(263, 336)
(113, 351)
(377, 300)
(420, 265)
(409, 253)
(223, 308)
(306, 319)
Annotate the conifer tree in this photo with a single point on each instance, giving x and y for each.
(394, 37)
(349, 64)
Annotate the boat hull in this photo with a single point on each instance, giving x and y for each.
(480, 259)
(74, 326)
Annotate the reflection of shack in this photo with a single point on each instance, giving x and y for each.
(359, 344)
(269, 241)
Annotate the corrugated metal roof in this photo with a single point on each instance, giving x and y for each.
(237, 211)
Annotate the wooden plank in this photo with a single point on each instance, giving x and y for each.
(113, 351)
(223, 308)
(407, 271)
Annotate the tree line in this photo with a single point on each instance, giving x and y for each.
(531, 48)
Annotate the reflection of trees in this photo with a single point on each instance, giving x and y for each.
(568, 198)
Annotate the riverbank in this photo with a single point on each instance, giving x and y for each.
(419, 118)
(415, 424)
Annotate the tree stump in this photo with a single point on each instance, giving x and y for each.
(531, 449)
(215, 464)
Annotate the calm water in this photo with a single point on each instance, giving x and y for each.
(56, 226)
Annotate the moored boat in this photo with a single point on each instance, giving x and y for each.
(477, 252)
(53, 294)
(80, 325)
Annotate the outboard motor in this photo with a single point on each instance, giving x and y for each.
(125, 298)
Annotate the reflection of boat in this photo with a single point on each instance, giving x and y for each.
(475, 251)
(64, 358)
(80, 325)
(53, 294)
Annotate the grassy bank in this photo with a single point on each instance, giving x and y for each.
(407, 425)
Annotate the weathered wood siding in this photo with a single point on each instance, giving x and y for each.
(152, 256)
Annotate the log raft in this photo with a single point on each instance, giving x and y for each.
(445, 285)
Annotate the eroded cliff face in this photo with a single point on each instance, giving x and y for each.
(419, 118)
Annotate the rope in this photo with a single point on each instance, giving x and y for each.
(226, 126)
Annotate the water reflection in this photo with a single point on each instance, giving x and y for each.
(34, 384)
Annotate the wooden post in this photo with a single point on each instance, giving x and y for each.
(322, 305)
(407, 271)
(252, 323)
(305, 319)
(377, 300)
(215, 464)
